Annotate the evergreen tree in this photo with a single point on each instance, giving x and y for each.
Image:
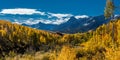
(109, 9)
(109, 13)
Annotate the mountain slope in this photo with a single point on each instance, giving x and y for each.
(67, 25)
(73, 25)
(14, 37)
(101, 44)
(82, 25)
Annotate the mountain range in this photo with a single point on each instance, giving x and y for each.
(72, 25)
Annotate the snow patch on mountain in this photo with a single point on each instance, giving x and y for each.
(86, 24)
(81, 16)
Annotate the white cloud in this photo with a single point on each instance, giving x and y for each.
(58, 15)
(29, 21)
(46, 21)
(81, 16)
(58, 22)
(21, 11)
(59, 18)
(16, 22)
(49, 18)
(32, 21)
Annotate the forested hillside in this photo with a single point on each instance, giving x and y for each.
(21, 39)
(18, 38)
(18, 42)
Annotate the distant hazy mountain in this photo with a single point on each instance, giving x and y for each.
(72, 24)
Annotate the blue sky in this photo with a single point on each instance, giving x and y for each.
(76, 7)
(50, 11)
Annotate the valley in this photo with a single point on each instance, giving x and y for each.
(20, 42)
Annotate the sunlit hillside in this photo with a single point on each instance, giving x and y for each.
(22, 43)
(19, 39)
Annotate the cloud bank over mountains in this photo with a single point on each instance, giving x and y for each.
(43, 17)
(21, 11)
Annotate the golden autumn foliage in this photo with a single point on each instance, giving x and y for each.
(19, 41)
(67, 53)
